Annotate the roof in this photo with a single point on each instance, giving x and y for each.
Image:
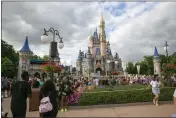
(25, 47)
(95, 36)
(156, 52)
(97, 51)
(33, 61)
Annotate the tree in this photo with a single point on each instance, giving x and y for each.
(9, 52)
(149, 62)
(7, 67)
(35, 57)
(130, 68)
(45, 58)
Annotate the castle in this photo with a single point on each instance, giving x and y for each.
(98, 58)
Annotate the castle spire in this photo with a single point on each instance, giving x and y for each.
(102, 18)
(25, 47)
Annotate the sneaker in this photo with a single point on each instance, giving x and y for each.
(66, 110)
(154, 102)
(62, 110)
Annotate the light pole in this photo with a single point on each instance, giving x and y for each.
(116, 62)
(53, 44)
(138, 69)
(108, 61)
(166, 49)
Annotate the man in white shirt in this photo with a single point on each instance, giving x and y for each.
(155, 83)
(96, 81)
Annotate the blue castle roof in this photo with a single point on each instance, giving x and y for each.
(25, 47)
(95, 36)
(156, 52)
(98, 51)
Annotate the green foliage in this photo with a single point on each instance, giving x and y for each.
(146, 65)
(8, 53)
(45, 58)
(130, 68)
(119, 97)
(119, 87)
(35, 57)
(7, 67)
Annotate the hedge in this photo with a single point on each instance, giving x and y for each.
(119, 97)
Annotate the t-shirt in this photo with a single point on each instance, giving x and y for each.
(96, 82)
(155, 84)
(20, 91)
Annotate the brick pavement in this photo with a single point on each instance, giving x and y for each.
(146, 110)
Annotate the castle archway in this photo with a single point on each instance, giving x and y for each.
(98, 70)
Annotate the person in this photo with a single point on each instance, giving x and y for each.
(4, 84)
(20, 90)
(34, 101)
(155, 83)
(174, 94)
(49, 89)
(65, 92)
(96, 82)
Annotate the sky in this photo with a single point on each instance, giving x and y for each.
(133, 28)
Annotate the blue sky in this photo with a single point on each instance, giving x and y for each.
(122, 8)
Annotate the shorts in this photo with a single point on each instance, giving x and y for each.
(156, 91)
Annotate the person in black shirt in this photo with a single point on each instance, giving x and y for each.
(20, 90)
(66, 90)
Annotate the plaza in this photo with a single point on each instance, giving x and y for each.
(166, 109)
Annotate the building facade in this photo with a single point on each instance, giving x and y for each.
(98, 58)
(33, 66)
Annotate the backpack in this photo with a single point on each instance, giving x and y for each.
(45, 105)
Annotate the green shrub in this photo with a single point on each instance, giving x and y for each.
(118, 97)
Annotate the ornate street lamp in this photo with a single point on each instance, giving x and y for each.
(138, 69)
(53, 44)
(166, 47)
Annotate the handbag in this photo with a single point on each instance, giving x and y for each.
(45, 105)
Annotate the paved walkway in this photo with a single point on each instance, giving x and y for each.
(164, 110)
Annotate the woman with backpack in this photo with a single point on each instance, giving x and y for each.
(48, 100)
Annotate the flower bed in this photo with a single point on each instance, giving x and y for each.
(119, 97)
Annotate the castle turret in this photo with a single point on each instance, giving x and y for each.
(24, 58)
(91, 43)
(156, 62)
(79, 63)
(102, 36)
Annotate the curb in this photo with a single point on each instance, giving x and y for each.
(118, 105)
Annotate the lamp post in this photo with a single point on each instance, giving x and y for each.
(166, 49)
(108, 61)
(53, 44)
(138, 69)
(116, 62)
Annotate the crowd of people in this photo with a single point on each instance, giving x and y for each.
(48, 96)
